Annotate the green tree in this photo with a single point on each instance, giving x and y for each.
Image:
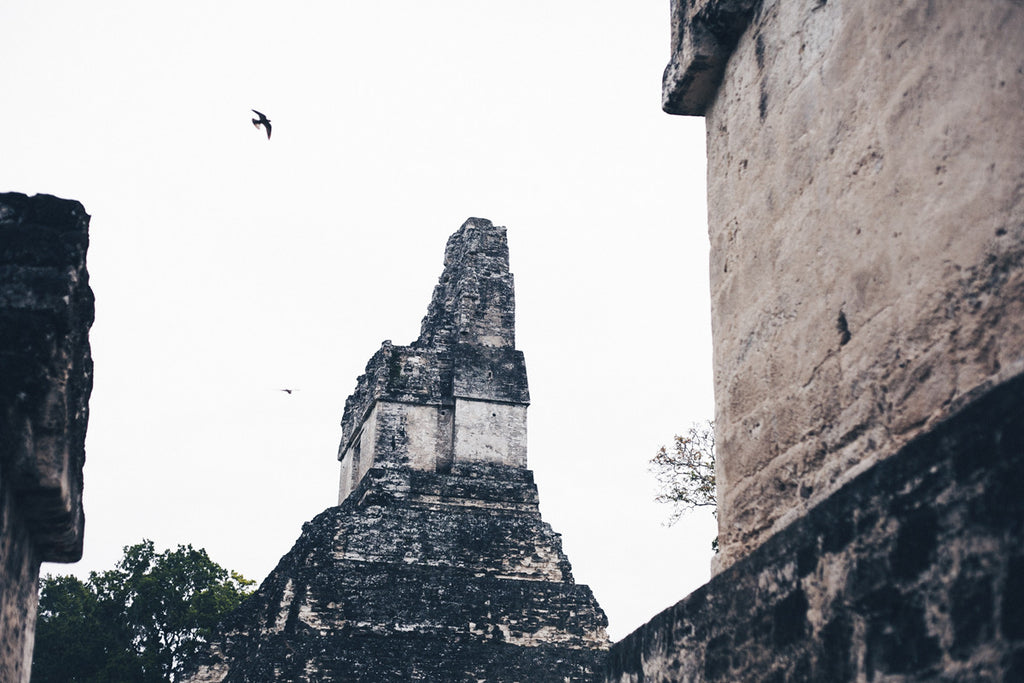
(137, 622)
(686, 472)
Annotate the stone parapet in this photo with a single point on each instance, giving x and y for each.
(913, 571)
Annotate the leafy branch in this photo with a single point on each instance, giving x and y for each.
(686, 472)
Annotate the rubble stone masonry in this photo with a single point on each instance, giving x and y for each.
(46, 309)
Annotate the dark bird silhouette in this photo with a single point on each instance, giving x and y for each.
(289, 391)
(262, 120)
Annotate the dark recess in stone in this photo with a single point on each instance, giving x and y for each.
(836, 643)
(789, 619)
(837, 533)
(806, 559)
(972, 612)
(898, 642)
(915, 544)
(841, 324)
(1012, 620)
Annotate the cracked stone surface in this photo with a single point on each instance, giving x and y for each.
(866, 220)
(436, 564)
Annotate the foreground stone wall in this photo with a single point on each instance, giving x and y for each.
(866, 215)
(912, 571)
(46, 309)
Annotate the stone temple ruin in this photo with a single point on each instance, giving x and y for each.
(866, 217)
(866, 221)
(436, 565)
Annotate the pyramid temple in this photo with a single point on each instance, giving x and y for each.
(436, 564)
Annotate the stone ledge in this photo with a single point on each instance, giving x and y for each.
(704, 33)
(912, 569)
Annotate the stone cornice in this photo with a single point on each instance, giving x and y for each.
(704, 33)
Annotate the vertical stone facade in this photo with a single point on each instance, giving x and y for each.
(46, 309)
(866, 215)
(436, 565)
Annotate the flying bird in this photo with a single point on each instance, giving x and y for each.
(289, 391)
(262, 120)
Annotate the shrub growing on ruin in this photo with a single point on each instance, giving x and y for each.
(686, 471)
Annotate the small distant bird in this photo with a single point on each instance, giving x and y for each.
(288, 391)
(262, 120)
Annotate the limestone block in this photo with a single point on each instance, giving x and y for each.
(490, 432)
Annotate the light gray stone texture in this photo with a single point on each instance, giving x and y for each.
(866, 216)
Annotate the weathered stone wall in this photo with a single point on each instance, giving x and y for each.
(419, 576)
(405, 434)
(46, 309)
(912, 571)
(474, 300)
(866, 215)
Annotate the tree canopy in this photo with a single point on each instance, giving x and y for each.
(686, 472)
(137, 622)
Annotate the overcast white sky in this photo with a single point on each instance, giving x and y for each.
(227, 266)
